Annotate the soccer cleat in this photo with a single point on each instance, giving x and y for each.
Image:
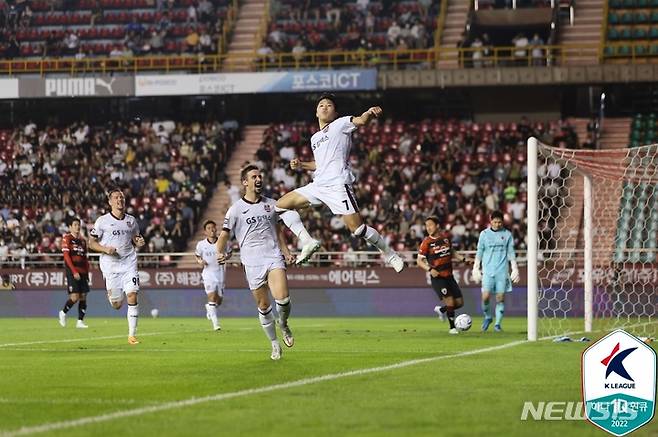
(395, 261)
(133, 340)
(453, 331)
(442, 316)
(81, 324)
(497, 328)
(276, 351)
(217, 327)
(288, 339)
(485, 324)
(62, 318)
(307, 251)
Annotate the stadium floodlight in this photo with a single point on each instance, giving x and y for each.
(592, 239)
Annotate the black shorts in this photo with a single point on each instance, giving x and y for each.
(77, 285)
(446, 287)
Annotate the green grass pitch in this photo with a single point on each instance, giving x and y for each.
(70, 382)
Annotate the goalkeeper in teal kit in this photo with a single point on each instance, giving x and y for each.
(495, 251)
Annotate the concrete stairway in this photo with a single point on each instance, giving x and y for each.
(587, 28)
(219, 204)
(243, 46)
(615, 134)
(455, 24)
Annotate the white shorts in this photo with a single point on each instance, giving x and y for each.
(257, 275)
(214, 285)
(117, 284)
(339, 198)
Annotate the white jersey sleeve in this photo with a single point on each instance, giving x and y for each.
(345, 125)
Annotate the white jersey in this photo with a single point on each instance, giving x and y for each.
(331, 151)
(110, 231)
(212, 271)
(254, 226)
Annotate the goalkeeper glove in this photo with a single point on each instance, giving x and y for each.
(515, 272)
(476, 274)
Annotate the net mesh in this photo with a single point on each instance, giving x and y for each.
(624, 239)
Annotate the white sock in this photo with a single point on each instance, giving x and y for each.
(283, 308)
(293, 221)
(211, 309)
(266, 318)
(133, 318)
(372, 236)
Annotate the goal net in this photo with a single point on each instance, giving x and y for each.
(593, 224)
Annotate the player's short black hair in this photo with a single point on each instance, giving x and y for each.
(72, 219)
(496, 215)
(208, 222)
(433, 218)
(328, 96)
(246, 170)
(113, 190)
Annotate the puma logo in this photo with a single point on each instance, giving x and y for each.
(106, 85)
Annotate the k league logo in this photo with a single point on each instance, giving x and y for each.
(619, 383)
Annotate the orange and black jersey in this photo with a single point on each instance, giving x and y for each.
(438, 252)
(75, 254)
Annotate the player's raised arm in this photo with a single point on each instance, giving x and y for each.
(365, 118)
(296, 164)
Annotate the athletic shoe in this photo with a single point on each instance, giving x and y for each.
(217, 328)
(288, 339)
(133, 340)
(395, 261)
(442, 316)
(307, 251)
(497, 328)
(276, 351)
(81, 324)
(453, 331)
(62, 318)
(485, 324)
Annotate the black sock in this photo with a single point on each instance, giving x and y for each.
(67, 306)
(451, 316)
(82, 309)
(443, 309)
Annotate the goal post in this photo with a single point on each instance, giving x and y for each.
(592, 239)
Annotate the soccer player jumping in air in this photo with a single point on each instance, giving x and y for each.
(495, 250)
(332, 181)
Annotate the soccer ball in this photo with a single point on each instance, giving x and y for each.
(155, 313)
(463, 322)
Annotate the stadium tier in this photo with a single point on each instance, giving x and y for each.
(168, 171)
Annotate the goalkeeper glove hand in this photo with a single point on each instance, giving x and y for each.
(476, 274)
(515, 273)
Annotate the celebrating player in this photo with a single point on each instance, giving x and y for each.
(116, 235)
(213, 273)
(74, 248)
(435, 256)
(495, 250)
(263, 253)
(332, 181)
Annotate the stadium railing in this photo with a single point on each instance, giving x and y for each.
(187, 260)
(392, 59)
